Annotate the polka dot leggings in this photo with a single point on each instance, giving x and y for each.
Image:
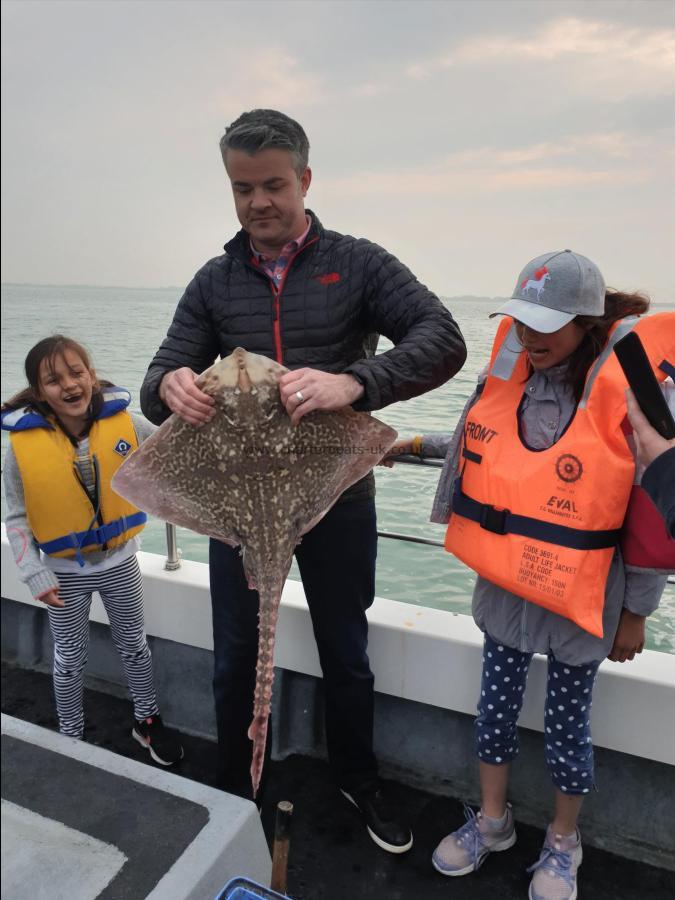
(569, 692)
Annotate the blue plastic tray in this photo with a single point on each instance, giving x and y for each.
(243, 889)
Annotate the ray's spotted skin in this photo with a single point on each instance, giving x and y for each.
(252, 479)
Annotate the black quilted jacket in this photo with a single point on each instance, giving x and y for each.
(339, 294)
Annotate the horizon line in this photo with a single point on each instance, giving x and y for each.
(173, 287)
(125, 287)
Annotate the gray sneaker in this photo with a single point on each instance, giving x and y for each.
(464, 850)
(555, 872)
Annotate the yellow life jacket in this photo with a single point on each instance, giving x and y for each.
(543, 524)
(61, 516)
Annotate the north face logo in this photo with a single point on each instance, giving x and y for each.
(122, 447)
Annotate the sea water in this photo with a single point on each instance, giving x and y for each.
(123, 327)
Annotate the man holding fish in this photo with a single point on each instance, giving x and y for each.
(314, 301)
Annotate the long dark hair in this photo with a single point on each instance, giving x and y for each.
(48, 349)
(618, 305)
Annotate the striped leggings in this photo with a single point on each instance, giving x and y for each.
(121, 590)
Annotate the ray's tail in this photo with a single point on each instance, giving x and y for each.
(262, 698)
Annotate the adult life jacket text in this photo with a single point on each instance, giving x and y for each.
(544, 524)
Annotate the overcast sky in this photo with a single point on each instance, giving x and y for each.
(466, 137)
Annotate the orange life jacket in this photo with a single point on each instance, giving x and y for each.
(543, 524)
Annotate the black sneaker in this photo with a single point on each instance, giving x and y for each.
(383, 823)
(151, 734)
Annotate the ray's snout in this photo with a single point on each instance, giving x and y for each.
(240, 369)
(240, 359)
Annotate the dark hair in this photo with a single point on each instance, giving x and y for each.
(48, 349)
(618, 305)
(261, 129)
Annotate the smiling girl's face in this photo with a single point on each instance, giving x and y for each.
(546, 350)
(67, 385)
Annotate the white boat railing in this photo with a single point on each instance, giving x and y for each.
(173, 554)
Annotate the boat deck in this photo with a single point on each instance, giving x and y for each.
(331, 857)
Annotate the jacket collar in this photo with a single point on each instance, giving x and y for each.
(240, 245)
(115, 400)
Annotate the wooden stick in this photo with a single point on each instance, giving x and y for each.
(282, 833)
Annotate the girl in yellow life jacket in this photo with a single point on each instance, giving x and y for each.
(534, 490)
(71, 534)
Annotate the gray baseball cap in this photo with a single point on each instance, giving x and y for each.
(554, 288)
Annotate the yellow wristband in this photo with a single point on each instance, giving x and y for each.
(416, 445)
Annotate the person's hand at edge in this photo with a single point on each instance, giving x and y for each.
(399, 448)
(51, 598)
(630, 637)
(649, 442)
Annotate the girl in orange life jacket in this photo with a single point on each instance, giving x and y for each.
(71, 534)
(545, 422)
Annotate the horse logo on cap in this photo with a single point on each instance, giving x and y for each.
(538, 283)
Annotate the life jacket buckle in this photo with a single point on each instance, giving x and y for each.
(493, 519)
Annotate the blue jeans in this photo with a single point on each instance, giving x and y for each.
(567, 730)
(337, 565)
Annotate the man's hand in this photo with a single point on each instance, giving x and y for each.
(630, 637)
(51, 598)
(178, 391)
(305, 390)
(650, 443)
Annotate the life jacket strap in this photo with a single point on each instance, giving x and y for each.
(667, 367)
(503, 521)
(76, 540)
(470, 455)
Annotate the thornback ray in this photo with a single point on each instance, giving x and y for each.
(253, 480)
